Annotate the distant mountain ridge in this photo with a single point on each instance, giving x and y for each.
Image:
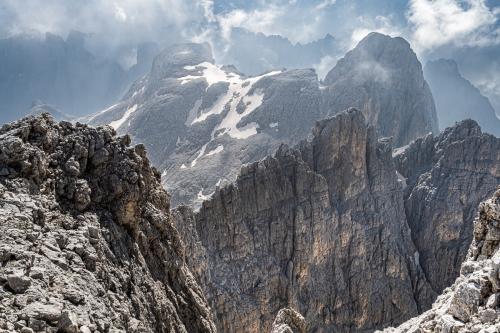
(63, 73)
(457, 99)
(255, 53)
(202, 121)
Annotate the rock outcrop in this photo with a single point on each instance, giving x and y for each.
(320, 228)
(289, 321)
(87, 242)
(472, 303)
(201, 121)
(447, 176)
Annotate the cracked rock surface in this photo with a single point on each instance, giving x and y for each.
(339, 228)
(472, 303)
(87, 242)
(320, 228)
(447, 176)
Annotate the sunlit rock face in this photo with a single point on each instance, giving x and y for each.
(345, 230)
(201, 121)
(87, 241)
(320, 228)
(383, 78)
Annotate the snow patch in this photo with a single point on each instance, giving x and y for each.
(117, 123)
(216, 150)
(183, 166)
(140, 91)
(230, 122)
(210, 72)
(237, 91)
(273, 125)
(203, 197)
(399, 151)
(102, 112)
(401, 180)
(200, 154)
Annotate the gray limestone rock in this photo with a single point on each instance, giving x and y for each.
(448, 175)
(87, 242)
(320, 228)
(201, 121)
(383, 78)
(457, 99)
(464, 306)
(289, 321)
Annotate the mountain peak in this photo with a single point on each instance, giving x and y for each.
(179, 55)
(381, 54)
(385, 74)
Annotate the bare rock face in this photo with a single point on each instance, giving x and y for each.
(447, 176)
(202, 121)
(382, 77)
(472, 303)
(320, 228)
(289, 321)
(87, 242)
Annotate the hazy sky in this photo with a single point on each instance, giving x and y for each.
(428, 24)
(455, 28)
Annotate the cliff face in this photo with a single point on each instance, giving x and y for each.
(471, 304)
(86, 238)
(320, 228)
(447, 177)
(383, 78)
(202, 121)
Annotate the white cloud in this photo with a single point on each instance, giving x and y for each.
(324, 66)
(120, 13)
(460, 22)
(259, 20)
(381, 24)
(325, 4)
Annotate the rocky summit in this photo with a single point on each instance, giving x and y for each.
(341, 230)
(202, 121)
(87, 242)
(383, 78)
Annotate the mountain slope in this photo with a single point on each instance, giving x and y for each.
(457, 99)
(384, 235)
(331, 211)
(63, 73)
(383, 78)
(86, 237)
(202, 122)
(471, 304)
(447, 176)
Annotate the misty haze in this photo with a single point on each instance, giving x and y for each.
(283, 166)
